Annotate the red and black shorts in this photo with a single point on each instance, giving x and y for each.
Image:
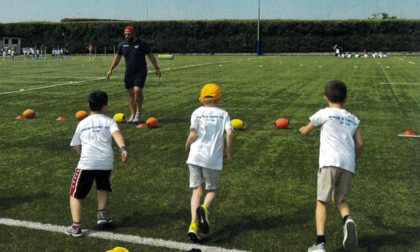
(83, 180)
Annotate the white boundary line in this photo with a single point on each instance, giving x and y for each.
(91, 79)
(116, 237)
(413, 136)
(413, 84)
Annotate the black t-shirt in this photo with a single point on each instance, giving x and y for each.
(134, 54)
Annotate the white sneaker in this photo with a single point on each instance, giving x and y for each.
(131, 119)
(350, 235)
(317, 248)
(137, 118)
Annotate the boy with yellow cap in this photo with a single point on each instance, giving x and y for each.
(205, 145)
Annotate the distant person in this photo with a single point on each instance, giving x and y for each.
(12, 54)
(337, 51)
(93, 142)
(91, 47)
(205, 144)
(134, 50)
(341, 143)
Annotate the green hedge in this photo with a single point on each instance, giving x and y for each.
(226, 36)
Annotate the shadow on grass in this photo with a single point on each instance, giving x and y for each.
(402, 236)
(140, 219)
(12, 201)
(247, 223)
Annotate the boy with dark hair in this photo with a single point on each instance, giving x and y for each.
(93, 142)
(341, 143)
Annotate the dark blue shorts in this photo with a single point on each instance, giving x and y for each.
(83, 180)
(137, 79)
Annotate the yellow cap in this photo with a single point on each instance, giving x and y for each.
(118, 249)
(210, 92)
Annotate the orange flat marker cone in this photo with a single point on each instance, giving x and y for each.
(61, 118)
(19, 117)
(141, 126)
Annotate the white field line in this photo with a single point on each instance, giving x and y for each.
(413, 84)
(411, 62)
(92, 79)
(115, 237)
(413, 136)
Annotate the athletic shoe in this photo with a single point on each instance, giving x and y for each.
(76, 232)
(193, 232)
(350, 235)
(137, 118)
(131, 119)
(203, 219)
(103, 219)
(317, 248)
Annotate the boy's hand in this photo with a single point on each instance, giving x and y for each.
(226, 158)
(124, 156)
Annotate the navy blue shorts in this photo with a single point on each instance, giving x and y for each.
(137, 79)
(83, 180)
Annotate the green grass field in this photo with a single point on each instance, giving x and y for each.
(267, 195)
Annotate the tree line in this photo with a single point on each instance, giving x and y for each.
(224, 36)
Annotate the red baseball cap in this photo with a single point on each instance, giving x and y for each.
(129, 29)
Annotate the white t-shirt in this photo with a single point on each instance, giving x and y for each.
(336, 141)
(207, 149)
(94, 133)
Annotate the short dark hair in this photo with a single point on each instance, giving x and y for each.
(336, 91)
(97, 99)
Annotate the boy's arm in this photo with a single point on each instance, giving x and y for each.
(229, 140)
(358, 143)
(190, 139)
(78, 149)
(305, 130)
(119, 139)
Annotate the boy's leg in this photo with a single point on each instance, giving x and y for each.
(321, 220)
(343, 208)
(321, 217)
(197, 193)
(203, 212)
(102, 217)
(102, 199)
(208, 200)
(349, 227)
(76, 209)
(195, 202)
(76, 212)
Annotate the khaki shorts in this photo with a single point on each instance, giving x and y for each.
(199, 175)
(333, 183)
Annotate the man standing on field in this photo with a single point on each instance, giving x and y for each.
(134, 51)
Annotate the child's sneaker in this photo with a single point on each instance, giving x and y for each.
(74, 231)
(203, 219)
(130, 120)
(137, 118)
(193, 232)
(103, 219)
(317, 248)
(350, 235)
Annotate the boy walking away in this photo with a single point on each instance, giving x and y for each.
(205, 145)
(340, 145)
(93, 142)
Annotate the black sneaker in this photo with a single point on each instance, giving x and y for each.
(350, 235)
(203, 219)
